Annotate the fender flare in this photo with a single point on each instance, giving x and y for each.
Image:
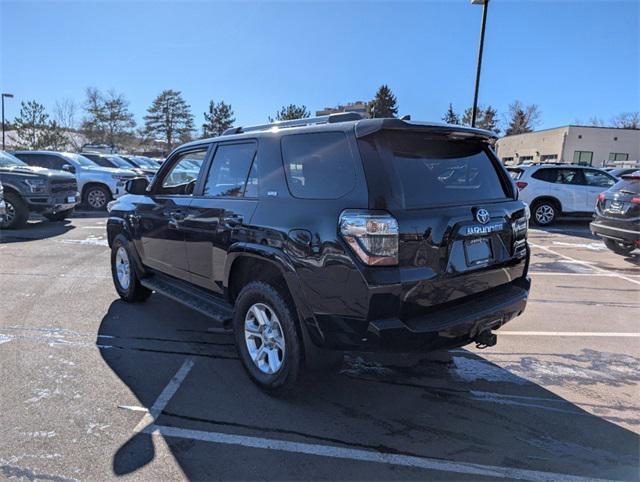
(282, 262)
(116, 226)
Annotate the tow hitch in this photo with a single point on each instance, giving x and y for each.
(486, 339)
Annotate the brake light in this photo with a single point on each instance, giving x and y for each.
(601, 196)
(635, 200)
(372, 235)
(521, 184)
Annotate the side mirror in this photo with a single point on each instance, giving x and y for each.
(137, 185)
(69, 168)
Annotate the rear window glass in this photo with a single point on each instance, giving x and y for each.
(515, 173)
(629, 186)
(426, 171)
(318, 165)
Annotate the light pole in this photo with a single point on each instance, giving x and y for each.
(485, 6)
(10, 96)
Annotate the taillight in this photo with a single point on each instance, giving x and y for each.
(601, 196)
(635, 200)
(521, 184)
(372, 235)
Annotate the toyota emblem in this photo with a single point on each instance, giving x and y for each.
(482, 215)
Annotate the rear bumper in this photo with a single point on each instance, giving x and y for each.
(619, 233)
(449, 325)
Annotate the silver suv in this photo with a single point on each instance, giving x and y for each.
(97, 185)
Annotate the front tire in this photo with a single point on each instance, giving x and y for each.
(59, 216)
(267, 337)
(123, 271)
(619, 247)
(17, 212)
(97, 197)
(544, 213)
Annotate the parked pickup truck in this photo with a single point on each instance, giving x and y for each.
(28, 189)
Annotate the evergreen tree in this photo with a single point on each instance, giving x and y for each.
(35, 130)
(291, 112)
(486, 118)
(451, 117)
(522, 118)
(218, 119)
(108, 118)
(169, 118)
(384, 104)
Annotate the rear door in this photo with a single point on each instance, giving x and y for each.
(160, 215)
(596, 181)
(219, 212)
(461, 230)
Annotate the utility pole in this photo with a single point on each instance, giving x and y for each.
(485, 7)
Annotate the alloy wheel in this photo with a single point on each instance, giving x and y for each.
(264, 337)
(97, 199)
(123, 267)
(10, 213)
(545, 214)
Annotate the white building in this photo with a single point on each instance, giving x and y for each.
(593, 146)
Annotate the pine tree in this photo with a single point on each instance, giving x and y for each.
(384, 104)
(35, 130)
(522, 118)
(291, 112)
(486, 118)
(169, 117)
(451, 117)
(218, 119)
(108, 118)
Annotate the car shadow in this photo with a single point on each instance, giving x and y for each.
(36, 229)
(455, 406)
(576, 228)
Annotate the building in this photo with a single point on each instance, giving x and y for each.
(357, 106)
(592, 146)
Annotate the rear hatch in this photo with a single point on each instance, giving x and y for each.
(461, 230)
(622, 201)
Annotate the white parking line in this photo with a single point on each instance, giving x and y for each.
(584, 263)
(166, 394)
(570, 333)
(361, 455)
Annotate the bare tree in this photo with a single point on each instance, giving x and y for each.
(627, 120)
(64, 113)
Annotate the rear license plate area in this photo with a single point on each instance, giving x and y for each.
(477, 251)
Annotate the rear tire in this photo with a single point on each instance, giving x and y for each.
(267, 337)
(619, 247)
(17, 212)
(123, 271)
(544, 213)
(96, 197)
(59, 216)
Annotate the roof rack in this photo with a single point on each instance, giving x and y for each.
(324, 119)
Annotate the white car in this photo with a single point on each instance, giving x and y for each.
(97, 185)
(554, 190)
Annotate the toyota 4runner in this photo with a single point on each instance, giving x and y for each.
(28, 189)
(334, 233)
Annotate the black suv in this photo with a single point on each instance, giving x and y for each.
(54, 194)
(333, 233)
(617, 218)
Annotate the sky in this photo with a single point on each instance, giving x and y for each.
(574, 59)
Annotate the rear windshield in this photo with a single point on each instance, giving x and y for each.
(424, 170)
(628, 186)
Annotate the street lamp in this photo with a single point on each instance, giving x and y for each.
(485, 6)
(10, 96)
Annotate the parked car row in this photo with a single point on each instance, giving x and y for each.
(53, 183)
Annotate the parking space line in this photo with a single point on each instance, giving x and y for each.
(361, 455)
(166, 394)
(584, 263)
(571, 333)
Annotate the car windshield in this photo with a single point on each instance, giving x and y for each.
(119, 161)
(8, 160)
(78, 159)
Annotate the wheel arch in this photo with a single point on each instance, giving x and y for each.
(547, 198)
(91, 184)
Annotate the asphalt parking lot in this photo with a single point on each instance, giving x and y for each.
(93, 388)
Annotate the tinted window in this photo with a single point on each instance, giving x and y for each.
(426, 170)
(319, 165)
(251, 189)
(559, 176)
(100, 161)
(598, 178)
(182, 177)
(229, 170)
(39, 160)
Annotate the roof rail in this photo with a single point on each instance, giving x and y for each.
(324, 119)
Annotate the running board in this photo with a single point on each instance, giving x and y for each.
(195, 298)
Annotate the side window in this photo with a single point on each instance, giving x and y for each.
(570, 176)
(597, 178)
(56, 162)
(35, 160)
(230, 170)
(100, 161)
(547, 175)
(182, 177)
(318, 165)
(251, 190)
